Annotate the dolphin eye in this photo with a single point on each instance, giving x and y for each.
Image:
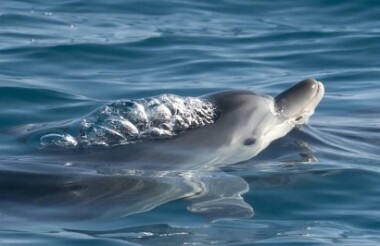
(249, 141)
(298, 118)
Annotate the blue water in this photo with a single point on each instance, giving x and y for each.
(318, 185)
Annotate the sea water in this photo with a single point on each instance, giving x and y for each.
(60, 60)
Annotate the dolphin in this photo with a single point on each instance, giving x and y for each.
(243, 124)
(153, 140)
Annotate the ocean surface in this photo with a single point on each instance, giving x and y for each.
(318, 185)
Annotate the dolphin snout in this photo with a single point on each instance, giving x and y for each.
(300, 98)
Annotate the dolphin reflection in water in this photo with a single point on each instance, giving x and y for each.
(131, 156)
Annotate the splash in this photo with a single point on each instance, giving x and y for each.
(128, 121)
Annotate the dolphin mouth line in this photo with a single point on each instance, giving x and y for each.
(319, 93)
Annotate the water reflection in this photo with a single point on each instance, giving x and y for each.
(61, 193)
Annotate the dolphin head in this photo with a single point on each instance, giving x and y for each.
(298, 103)
(290, 108)
(265, 118)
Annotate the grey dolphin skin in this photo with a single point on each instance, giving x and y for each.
(85, 181)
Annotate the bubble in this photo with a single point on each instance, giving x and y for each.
(58, 140)
(123, 126)
(159, 114)
(128, 121)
